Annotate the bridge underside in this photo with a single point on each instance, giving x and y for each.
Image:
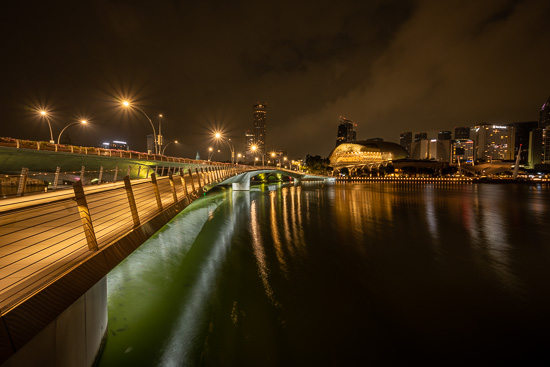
(242, 182)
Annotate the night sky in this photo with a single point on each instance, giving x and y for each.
(390, 66)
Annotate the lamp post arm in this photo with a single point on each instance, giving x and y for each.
(166, 146)
(231, 149)
(51, 133)
(59, 137)
(153, 126)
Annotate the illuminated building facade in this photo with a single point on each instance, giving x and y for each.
(259, 117)
(363, 154)
(546, 146)
(346, 132)
(462, 149)
(493, 142)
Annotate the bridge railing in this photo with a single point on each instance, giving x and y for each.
(44, 236)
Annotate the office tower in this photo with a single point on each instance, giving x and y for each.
(462, 132)
(522, 133)
(259, 118)
(420, 136)
(546, 145)
(439, 150)
(444, 135)
(346, 133)
(544, 121)
(535, 148)
(493, 142)
(405, 140)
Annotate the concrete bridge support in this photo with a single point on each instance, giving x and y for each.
(73, 338)
(241, 186)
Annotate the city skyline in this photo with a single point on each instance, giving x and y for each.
(388, 66)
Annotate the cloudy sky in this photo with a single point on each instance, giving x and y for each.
(388, 65)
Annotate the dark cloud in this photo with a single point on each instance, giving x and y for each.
(389, 65)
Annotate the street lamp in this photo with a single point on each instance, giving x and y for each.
(159, 136)
(239, 155)
(210, 153)
(219, 136)
(166, 146)
(128, 105)
(83, 122)
(45, 115)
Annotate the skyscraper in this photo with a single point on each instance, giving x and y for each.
(420, 136)
(405, 140)
(259, 118)
(346, 133)
(544, 121)
(444, 135)
(462, 132)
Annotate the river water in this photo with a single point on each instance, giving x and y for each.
(340, 275)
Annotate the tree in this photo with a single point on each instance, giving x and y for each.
(316, 164)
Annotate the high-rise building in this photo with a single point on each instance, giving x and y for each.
(534, 157)
(346, 133)
(439, 150)
(462, 132)
(259, 118)
(444, 135)
(546, 145)
(544, 120)
(405, 140)
(522, 133)
(420, 136)
(493, 142)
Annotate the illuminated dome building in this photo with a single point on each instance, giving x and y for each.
(365, 154)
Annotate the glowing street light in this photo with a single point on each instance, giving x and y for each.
(83, 122)
(166, 146)
(129, 105)
(45, 115)
(219, 136)
(254, 148)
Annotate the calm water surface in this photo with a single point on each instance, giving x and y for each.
(339, 275)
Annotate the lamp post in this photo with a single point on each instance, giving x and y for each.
(45, 115)
(166, 146)
(254, 148)
(127, 104)
(239, 155)
(83, 122)
(159, 136)
(231, 149)
(210, 153)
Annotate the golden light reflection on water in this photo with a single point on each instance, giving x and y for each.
(259, 253)
(275, 234)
